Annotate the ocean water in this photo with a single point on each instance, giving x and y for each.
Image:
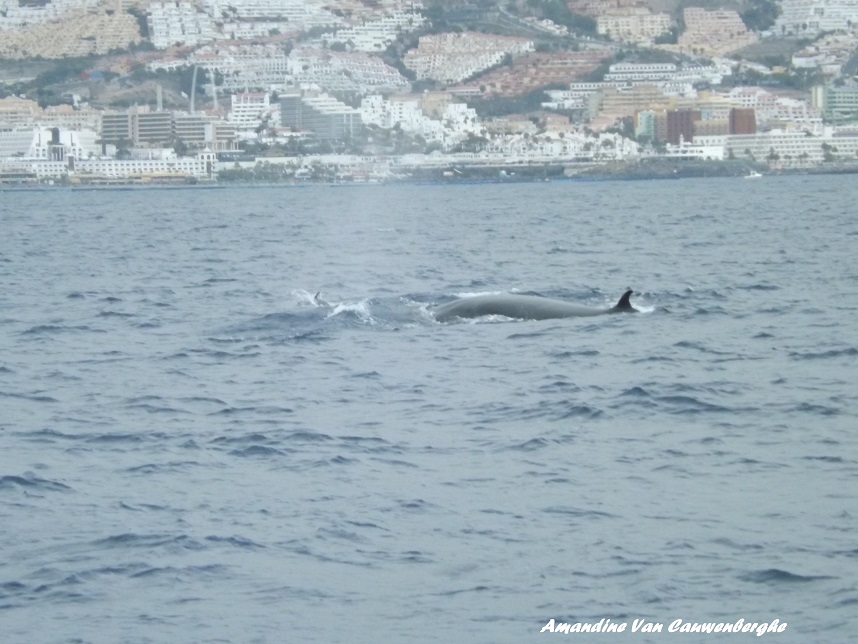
(192, 449)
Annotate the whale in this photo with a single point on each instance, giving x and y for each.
(525, 307)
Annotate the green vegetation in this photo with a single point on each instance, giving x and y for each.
(670, 37)
(761, 15)
(267, 172)
(64, 70)
(503, 105)
(801, 79)
(396, 51)
(142, 22)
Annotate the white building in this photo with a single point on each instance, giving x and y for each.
(44, 143)
(71, 32)
(248, 110)
(572, 146)
(454, 57)
(645, 72)
(97, 169)
(641, 27)
(376, 35)
(714, 32)
(172, 23)
(14, 14)
(296, 15)
(334, 71)
(810, 17)
(775, 110)
(456, 123)
(787, 148)
(244, 66)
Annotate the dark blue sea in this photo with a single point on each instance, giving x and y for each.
(193, 449)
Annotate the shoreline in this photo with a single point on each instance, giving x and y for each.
(655, 170)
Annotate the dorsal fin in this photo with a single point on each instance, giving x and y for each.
(624, 304)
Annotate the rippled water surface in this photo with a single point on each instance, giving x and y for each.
(192, 449)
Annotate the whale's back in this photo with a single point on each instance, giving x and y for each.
(525, 307)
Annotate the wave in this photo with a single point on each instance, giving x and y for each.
(54, 329)
(133, 540)
(32, 397)
(823, 355)
(778, 576)
(32, 483)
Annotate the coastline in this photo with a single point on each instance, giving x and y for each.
(643, 170)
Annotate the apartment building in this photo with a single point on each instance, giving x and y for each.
(680, 125)
(625, 101)
(742, 121)
(249, 109)
(334, 71)
(256, 29)
(76, 34)
(386, 113)
(203, 166)
(711, 127)
(562, 146)
(141, 128)
(376, 35)
(201, 131)
(18, 112)
(453, 57)
(38, 142)
(639, 26)
(244, 66)
(685, 126)
(101, 170)
(152, 128)
(67, 117)
(838, 104)
(808, 18)
(116, 128)
(533, 70)
(596, 8)
(827, 54)
(714, 32)
(16, 15)
(297, 14)
(436, 119)
(323, 115)
(645, 123)
(792, 148)
(14, 143)
(640, 72)
(181, 23)
(778, 111)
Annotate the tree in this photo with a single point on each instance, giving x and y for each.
(669, 37)
(762, 15)
(180, 147)
(828, 151)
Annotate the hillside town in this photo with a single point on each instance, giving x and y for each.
(140, 91)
